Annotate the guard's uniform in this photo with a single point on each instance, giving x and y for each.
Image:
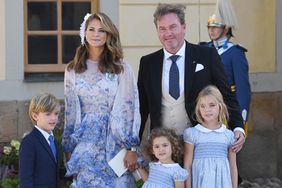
(237, 70)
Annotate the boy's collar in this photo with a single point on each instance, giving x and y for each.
(45, 134)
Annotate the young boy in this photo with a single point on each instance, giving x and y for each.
(38, 155)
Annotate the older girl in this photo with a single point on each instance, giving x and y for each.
(208, 155)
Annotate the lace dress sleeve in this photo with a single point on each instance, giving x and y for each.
(72, 111)
(125, 115)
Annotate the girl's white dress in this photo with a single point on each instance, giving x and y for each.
(210, 167)
(164, 175)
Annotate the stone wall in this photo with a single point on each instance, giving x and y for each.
(258, 158)
(261, 155)
(14, 120)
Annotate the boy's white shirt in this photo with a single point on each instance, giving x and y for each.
(44, 133)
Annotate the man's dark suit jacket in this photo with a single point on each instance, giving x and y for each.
(150, 84)
(37, 165)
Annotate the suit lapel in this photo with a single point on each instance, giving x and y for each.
(157, 70)
(44, 143)
(57, 149)
(190, 66)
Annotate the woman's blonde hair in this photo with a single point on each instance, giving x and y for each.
(214, 92)
(173, 138)
(112, 53)
(44, 102)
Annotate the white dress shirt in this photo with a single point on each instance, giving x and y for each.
(180, 64)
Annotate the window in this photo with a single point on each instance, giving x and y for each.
(52, 35)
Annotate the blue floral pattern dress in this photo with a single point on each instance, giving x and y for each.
(210, 166)
(101, 117)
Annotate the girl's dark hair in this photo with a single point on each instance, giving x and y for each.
(172, 137)
(112, 54)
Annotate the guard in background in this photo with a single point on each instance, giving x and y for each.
(233, 57)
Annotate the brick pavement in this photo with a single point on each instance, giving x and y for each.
(262, 183)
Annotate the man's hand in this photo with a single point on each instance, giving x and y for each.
(240, 140)
(130, 160)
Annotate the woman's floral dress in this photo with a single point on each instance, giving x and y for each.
(101, 117)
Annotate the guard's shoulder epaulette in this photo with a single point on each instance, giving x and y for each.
(241, 47)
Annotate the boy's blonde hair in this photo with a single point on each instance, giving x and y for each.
(44, 102)
(214, 92)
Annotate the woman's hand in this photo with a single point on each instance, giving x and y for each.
(130, 160)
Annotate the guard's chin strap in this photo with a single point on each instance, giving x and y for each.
(221, 34)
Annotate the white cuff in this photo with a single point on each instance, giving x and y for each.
(239, 129)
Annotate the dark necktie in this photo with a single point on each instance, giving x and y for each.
(52, 145)
(174, 90)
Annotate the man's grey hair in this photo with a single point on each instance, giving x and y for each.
(163, 9)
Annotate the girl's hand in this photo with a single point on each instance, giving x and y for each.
(143, 173)
(130, 160)
(178, 184)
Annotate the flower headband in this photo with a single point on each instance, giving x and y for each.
(82, 28)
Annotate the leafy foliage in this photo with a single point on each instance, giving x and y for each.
(10, 183)
(10, 155)
(139, 183)
(9, 162)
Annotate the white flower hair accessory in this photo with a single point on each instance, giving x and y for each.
(82, 28)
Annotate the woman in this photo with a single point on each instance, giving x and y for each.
(102, 108)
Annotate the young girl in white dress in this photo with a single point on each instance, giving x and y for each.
(207, 150)
(164, 150)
